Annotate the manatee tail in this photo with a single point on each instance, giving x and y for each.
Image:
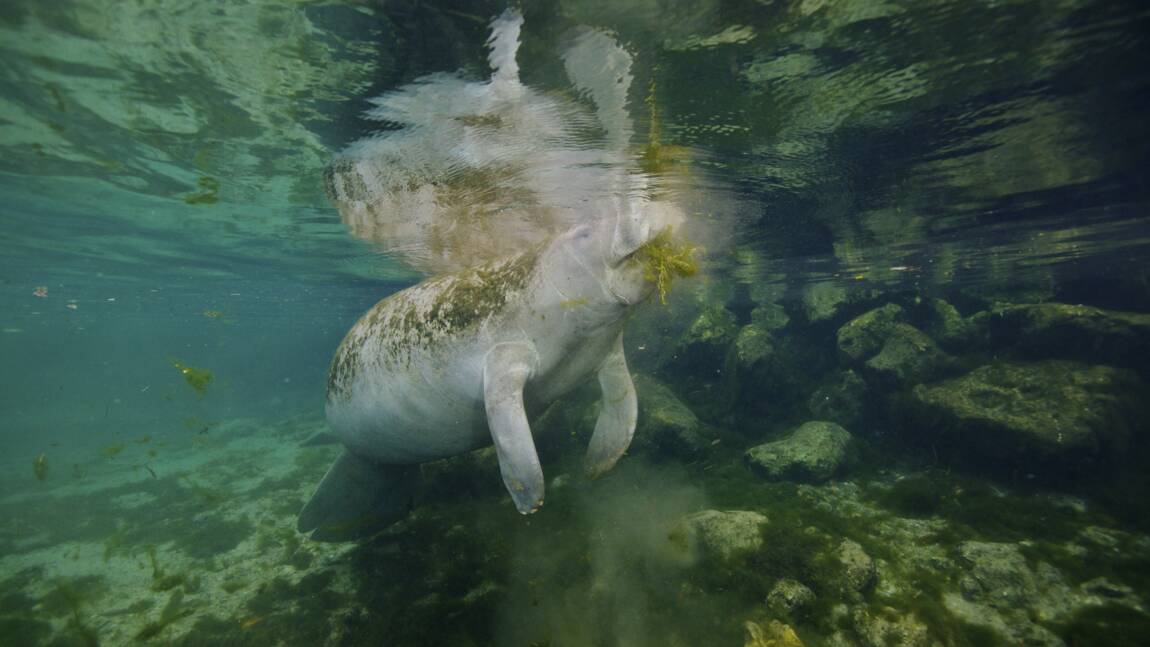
(357, 498)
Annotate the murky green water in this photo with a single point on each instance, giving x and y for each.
(902, 402)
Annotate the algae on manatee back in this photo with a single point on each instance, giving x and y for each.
(197, 378)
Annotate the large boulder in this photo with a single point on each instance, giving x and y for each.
(907, 355)
(770, 316)
(665, 424)
(841, 400)
(823, 301)
(788, 596)
(864, 336)
(718, 535)
(889, 628)
(1074, 331)
(813, 452)
(1042, 409)
(1000, 590)
(885, 347)
(753, 344)
(859, 572)
(710, 333)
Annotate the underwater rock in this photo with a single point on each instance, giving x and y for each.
(907, 355)
(1074, 331)
(1000, 591)
(998, 575)
(840, 401)
(753, 344)
(774, 634)
(788, 596)
(1055, 407)
(890, 629)
(665, 423)
(947, 325)
(822, 301)
(718, 535)
(813, 452)
(707, 338)
(865, 335)
(770, 316)
(858, 568)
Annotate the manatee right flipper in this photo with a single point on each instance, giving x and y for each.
(507, 368)
(358, 498)
(617, 414)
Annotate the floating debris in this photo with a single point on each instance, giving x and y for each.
(40, 291)
(40, 466)
(213, 314)
(197, 378)
(71, 306)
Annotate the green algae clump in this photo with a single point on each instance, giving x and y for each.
(208, 193)
(663, 259)
(197, 378)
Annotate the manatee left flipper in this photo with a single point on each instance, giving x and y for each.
(617, 414)
(358, 497)
(507, 368)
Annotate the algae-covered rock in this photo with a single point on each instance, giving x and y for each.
(947, 325)
(1055, 407)
(865, 335)
(1074, 331)
(888, 628)
(1000, 590)
(773, 634)
(788, 596)
(822, 301)
(707, 338)
(840, 401)
(717, 535)
(998, 575)
(813, 452)
(665, 423)
(858, 568)
(770, 316)
(907, 355)
(752, 345)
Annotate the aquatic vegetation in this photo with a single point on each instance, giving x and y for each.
(199, 426)
(70, 596)
(114, 542)
(209, 189)
(165, 581)
(113, 450)
(197, 378)
(663, 259)
(1110, 625)
(174, 610)
(40, 467)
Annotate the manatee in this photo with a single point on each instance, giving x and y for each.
(464, 360)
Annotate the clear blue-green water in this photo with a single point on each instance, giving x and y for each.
(919, 224)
